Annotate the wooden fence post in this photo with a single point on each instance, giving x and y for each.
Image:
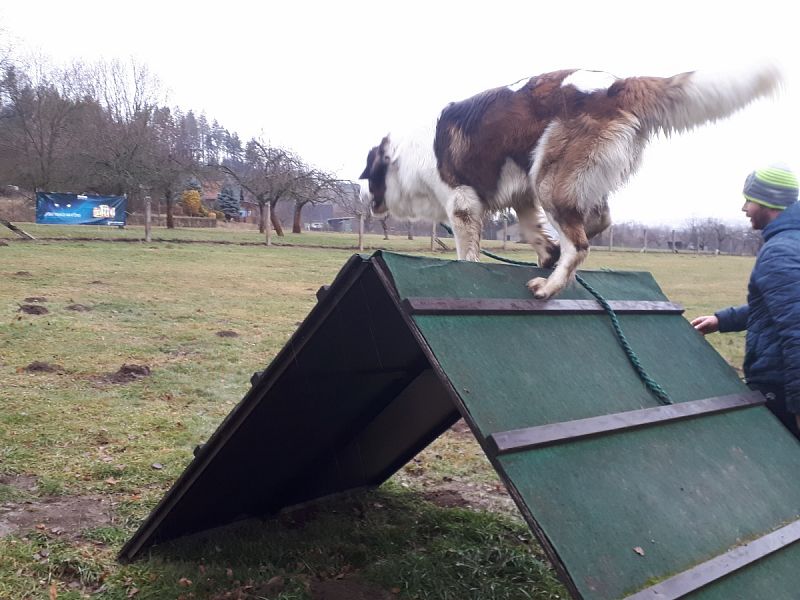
(268, 223)
(147, 219)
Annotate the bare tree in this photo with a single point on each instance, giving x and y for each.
(349, 197)
(718, 230)
(694, 229)
(40, 119)
(123, 139)
(352, 200)
(314, 186)
(270, 174)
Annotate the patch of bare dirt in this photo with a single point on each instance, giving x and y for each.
(79, 307)
(446, 498)
(33, 309)
(128, 372)
(227, 333)
(66, 516)
(38, 366)
(36, 299)
(348, 588)
(26, 483)
(457, 492)
(474, 496)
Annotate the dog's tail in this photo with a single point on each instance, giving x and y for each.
(678, 103)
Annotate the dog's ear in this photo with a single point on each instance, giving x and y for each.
(370, 162)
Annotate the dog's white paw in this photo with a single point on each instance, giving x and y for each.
(538, 287)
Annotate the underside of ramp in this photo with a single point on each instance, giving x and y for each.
(629, 497)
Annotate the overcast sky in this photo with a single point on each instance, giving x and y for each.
(328, 79)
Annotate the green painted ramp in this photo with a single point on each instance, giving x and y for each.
(628, 496)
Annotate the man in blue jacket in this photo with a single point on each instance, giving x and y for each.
(772, 313)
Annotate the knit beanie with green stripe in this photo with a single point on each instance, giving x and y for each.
(773, 187)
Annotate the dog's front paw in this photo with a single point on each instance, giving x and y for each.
(538, 287)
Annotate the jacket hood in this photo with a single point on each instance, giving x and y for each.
(788, 219)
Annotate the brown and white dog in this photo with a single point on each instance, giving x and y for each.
(558, 143)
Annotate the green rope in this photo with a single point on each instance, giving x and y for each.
(652, 386)
(510, 261)
(659, 392)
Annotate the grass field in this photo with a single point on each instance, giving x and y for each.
(143, 350)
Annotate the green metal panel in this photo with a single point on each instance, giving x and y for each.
(620, 511)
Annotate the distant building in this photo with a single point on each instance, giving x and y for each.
(342, 224)
(513, 234)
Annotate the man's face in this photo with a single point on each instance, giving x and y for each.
(760, 216)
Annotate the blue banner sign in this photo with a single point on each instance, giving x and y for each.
(80, 209)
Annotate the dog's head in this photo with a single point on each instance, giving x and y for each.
(378, 161)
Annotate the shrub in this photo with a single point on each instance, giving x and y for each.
(192, 204)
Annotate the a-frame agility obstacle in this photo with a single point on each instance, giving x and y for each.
(629, 497)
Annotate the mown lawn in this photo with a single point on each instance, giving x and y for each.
(142, 352)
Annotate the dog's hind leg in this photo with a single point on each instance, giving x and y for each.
(574, 249)
(598, 221)
(465, 211)
(533, 224)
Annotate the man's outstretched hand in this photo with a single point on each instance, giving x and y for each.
(706, 324)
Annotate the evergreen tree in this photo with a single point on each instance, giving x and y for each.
(228, 203)
(193, 183)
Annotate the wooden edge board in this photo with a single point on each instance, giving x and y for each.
(543, 435)
(499, 306)
(718, 567)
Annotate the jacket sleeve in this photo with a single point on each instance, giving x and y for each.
(779, 281)
(733, 318)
